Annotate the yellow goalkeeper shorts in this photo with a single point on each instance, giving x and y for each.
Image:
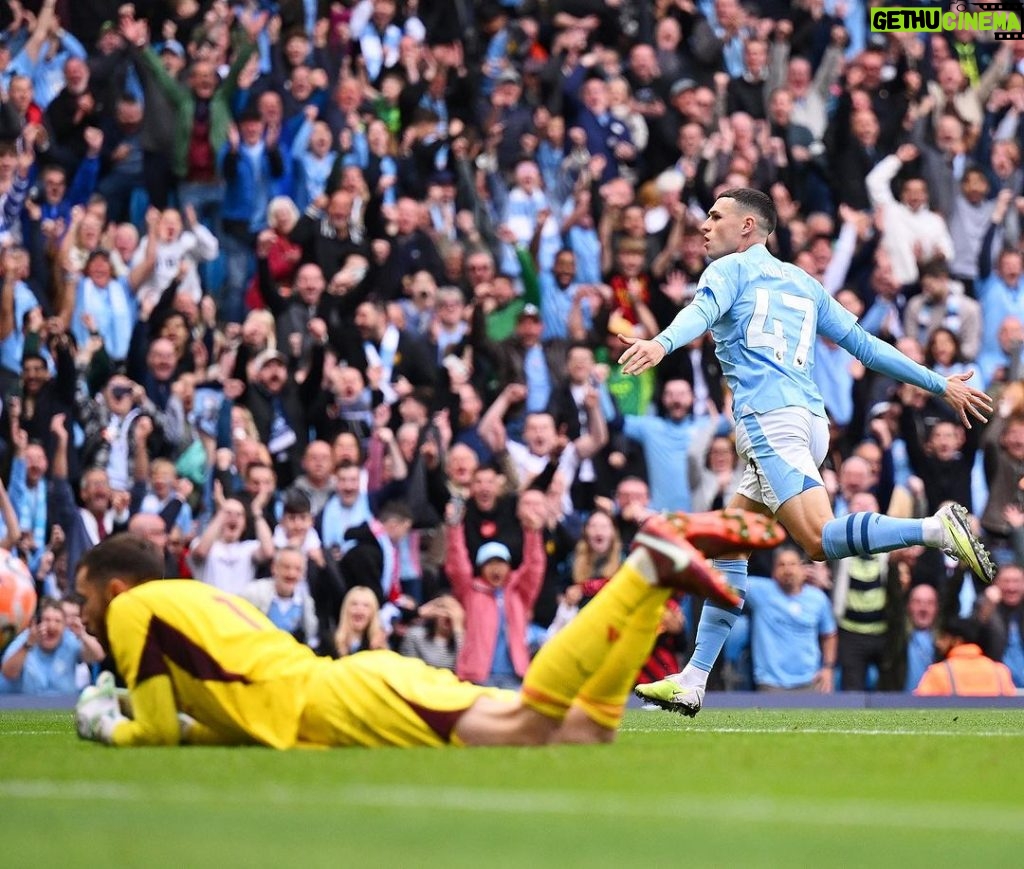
(382, 698)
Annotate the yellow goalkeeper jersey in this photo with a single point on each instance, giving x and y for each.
(182, 645)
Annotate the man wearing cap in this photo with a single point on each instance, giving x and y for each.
(679, 112)
(525, 358)
(158, 135)
(280, 405)
(110, 66)
(505, 117)
(498, 602)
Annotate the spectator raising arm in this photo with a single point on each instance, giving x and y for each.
(492, 426)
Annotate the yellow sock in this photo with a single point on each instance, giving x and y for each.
(579, 650)
(603, 696)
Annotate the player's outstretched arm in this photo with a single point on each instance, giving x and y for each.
(689, 324)
(967, 400)
(640, 354)
(878, 355)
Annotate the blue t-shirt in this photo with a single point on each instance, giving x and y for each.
(920, 656)
(46, 672)
(666, 444)
(763, 315)
(785, 632)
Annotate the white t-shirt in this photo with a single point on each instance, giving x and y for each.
(529, 465)
(227, 566)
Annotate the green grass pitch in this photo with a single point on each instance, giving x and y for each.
(731, 788)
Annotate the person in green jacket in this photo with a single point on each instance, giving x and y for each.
(203, 116)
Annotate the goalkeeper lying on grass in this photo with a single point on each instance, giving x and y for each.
(206, 667)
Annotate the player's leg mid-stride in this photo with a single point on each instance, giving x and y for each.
(714, 533)
(949, 529)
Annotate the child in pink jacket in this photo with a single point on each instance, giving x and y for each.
(499, 605)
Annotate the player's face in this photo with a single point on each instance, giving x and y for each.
(94, 608)
(723, 230)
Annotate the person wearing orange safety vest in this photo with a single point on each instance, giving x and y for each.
(965, 671)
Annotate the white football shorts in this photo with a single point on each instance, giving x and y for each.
(781, 451)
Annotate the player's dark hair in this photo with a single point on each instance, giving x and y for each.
(125, 556)
(754, 200)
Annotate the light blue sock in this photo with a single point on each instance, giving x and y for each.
(869, 534)
(715, 621)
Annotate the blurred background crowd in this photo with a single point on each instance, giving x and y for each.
(325, 299)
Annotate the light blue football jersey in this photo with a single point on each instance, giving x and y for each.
(764, 315)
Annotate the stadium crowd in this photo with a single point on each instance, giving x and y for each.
(324, 298)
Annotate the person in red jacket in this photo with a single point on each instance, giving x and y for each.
(965, 672)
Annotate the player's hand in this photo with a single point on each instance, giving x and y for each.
(824, 680)
(640, 355)
(97, 711)
(966, 400)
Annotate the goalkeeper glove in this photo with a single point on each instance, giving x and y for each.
(97, 711)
